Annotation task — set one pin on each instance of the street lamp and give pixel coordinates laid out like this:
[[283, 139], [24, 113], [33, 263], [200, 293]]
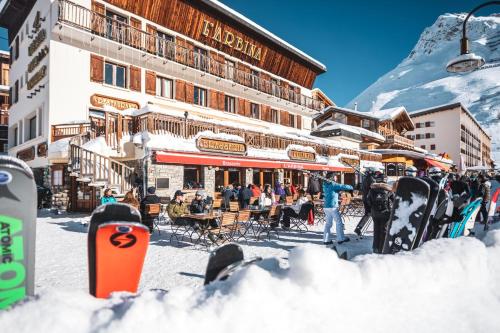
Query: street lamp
[[467, 62]]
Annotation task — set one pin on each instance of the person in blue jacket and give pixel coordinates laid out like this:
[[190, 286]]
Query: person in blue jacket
[[331, 191], [108, 197]]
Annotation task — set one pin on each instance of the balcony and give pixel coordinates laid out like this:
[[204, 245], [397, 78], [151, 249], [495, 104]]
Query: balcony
[[114, 127], [168, 51], [394, 140]]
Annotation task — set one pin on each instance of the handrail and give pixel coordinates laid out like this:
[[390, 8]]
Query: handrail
[[106, 27]]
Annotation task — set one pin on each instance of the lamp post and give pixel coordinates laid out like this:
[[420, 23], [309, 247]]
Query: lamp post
[[467, 61]]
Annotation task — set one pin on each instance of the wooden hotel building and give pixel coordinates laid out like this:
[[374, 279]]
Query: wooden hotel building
[[175, 93]]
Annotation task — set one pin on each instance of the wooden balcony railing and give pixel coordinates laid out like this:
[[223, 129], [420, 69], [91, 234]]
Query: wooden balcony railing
[[394, 138], [97, 24], [62, 131]]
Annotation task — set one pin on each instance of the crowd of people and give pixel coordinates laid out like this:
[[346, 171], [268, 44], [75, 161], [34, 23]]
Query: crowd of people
[[377, 197]]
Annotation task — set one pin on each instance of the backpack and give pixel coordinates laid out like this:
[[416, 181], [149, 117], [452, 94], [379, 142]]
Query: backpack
[[380, 201]]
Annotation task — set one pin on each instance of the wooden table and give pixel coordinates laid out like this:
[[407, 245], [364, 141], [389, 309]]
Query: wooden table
[[203, 216]]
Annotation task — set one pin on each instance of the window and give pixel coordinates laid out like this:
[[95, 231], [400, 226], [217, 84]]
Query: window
[[429, 135], [291, 120], [254, 108], [16, 92], [430, 124], [340, 118], [433, 147], [418, 125], [116, 27], [115, 75], [274, 116], [164, 87], [422, 146], [40, 121], [165, 45], [16, 48], [229, 104], [16, 136], [32, 128], [193, 177], [230, 69], [418, 136], [57, 178], [366, 123], [5, 76], [21, 83], [200, 96], [275, 87], [255, 79]]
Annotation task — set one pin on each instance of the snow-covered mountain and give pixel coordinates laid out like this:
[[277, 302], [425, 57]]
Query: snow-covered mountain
[[421, 80]]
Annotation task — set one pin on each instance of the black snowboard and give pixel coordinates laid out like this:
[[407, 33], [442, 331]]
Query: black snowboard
[[17, 231], [222, 258], [411, 197], [430, 209], [101, 215]]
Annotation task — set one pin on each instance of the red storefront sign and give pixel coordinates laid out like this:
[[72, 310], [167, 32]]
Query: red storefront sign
[[240, 162]]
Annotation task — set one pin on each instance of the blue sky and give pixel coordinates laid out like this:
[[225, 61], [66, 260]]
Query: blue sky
[[358, 41]]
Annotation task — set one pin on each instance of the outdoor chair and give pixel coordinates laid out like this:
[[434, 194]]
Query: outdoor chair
[[300, 223], [254, 200], [217, 204], [225, 231], [152, 214], [243, 221], [269, 224], [234, 206]]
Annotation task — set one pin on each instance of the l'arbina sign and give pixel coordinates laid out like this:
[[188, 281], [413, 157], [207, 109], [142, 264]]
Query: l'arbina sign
[[226, 37]]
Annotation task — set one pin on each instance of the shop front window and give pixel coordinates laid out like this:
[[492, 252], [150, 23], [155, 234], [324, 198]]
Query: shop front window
[[391, 170], [193, 177]]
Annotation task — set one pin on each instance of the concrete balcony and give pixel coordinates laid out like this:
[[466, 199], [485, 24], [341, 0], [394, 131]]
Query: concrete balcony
[[89, 30]]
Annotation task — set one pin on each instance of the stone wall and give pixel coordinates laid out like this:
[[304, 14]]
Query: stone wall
[[247, 177], [175, 174], [209, 180]]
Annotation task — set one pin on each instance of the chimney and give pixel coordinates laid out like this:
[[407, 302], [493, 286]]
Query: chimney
[[355, 106]]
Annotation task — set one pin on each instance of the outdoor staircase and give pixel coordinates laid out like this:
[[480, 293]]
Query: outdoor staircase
[[99, 170]]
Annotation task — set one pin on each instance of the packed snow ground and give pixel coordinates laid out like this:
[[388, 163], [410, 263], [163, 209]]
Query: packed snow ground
[[445, 286]]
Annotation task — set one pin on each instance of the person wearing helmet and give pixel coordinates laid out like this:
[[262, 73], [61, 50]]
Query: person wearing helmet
[[435, 173], [411, 171]]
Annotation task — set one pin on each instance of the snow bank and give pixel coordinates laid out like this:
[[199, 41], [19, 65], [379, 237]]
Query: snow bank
[[59, 149], [449, 285], [99, 146]]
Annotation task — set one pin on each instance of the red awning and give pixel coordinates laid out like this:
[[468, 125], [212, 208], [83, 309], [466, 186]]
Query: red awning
[[435, 163], [240, 162]]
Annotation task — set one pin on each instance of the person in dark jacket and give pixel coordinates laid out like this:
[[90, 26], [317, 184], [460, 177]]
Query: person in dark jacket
[[313, 186], [228, 195], [484, 194], [244, 196], [149, 199], [199, 204], [474, 187], [380, 198], [368, 180]]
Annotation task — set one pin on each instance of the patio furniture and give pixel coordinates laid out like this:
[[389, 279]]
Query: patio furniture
[[299, 223]]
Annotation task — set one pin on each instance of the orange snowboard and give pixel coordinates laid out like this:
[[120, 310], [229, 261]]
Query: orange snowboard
[[120, 248]]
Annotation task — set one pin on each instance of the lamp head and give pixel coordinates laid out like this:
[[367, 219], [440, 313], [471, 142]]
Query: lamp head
[[465, 62]]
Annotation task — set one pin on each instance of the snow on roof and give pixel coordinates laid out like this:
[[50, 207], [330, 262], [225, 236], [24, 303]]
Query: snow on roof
[[301, 148], [413, 154], [264, 32], [221, 136], [391, 113], [332, 125]]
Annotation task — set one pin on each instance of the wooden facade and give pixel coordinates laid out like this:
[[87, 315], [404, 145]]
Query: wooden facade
[[188, 17]]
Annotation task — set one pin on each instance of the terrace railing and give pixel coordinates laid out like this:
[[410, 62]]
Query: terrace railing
[[157, 44]]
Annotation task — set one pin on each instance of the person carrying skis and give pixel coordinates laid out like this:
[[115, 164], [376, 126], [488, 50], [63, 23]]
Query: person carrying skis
[[108, 197], [380, 197], [411, 171], [331, 191], [368, 180]]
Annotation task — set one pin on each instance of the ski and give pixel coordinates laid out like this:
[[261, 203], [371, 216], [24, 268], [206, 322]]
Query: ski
[[468, 214], [17, 231], [411, 197], [430, 210], [117, 245], [493, 205]]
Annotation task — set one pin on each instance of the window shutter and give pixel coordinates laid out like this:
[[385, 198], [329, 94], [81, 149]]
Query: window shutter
[[151, 40], [134, 34], [284, 118], [241, 106], [135, 78], [190, 55], [298, 121], [96, 68], [221, 99], [189, 93], [213, 103], [248, 110], [180, 90], [150, 83], [98, 20]]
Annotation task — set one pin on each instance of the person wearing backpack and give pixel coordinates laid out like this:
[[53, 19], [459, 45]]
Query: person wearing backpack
[[380, 198]]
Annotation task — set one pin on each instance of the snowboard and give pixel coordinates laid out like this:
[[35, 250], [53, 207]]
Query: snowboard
[[493, 205], [468, 215], [441, 218], [220, 259], [411, 197], [117, 245], [17, 231], [362, 225], [430, 210]]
